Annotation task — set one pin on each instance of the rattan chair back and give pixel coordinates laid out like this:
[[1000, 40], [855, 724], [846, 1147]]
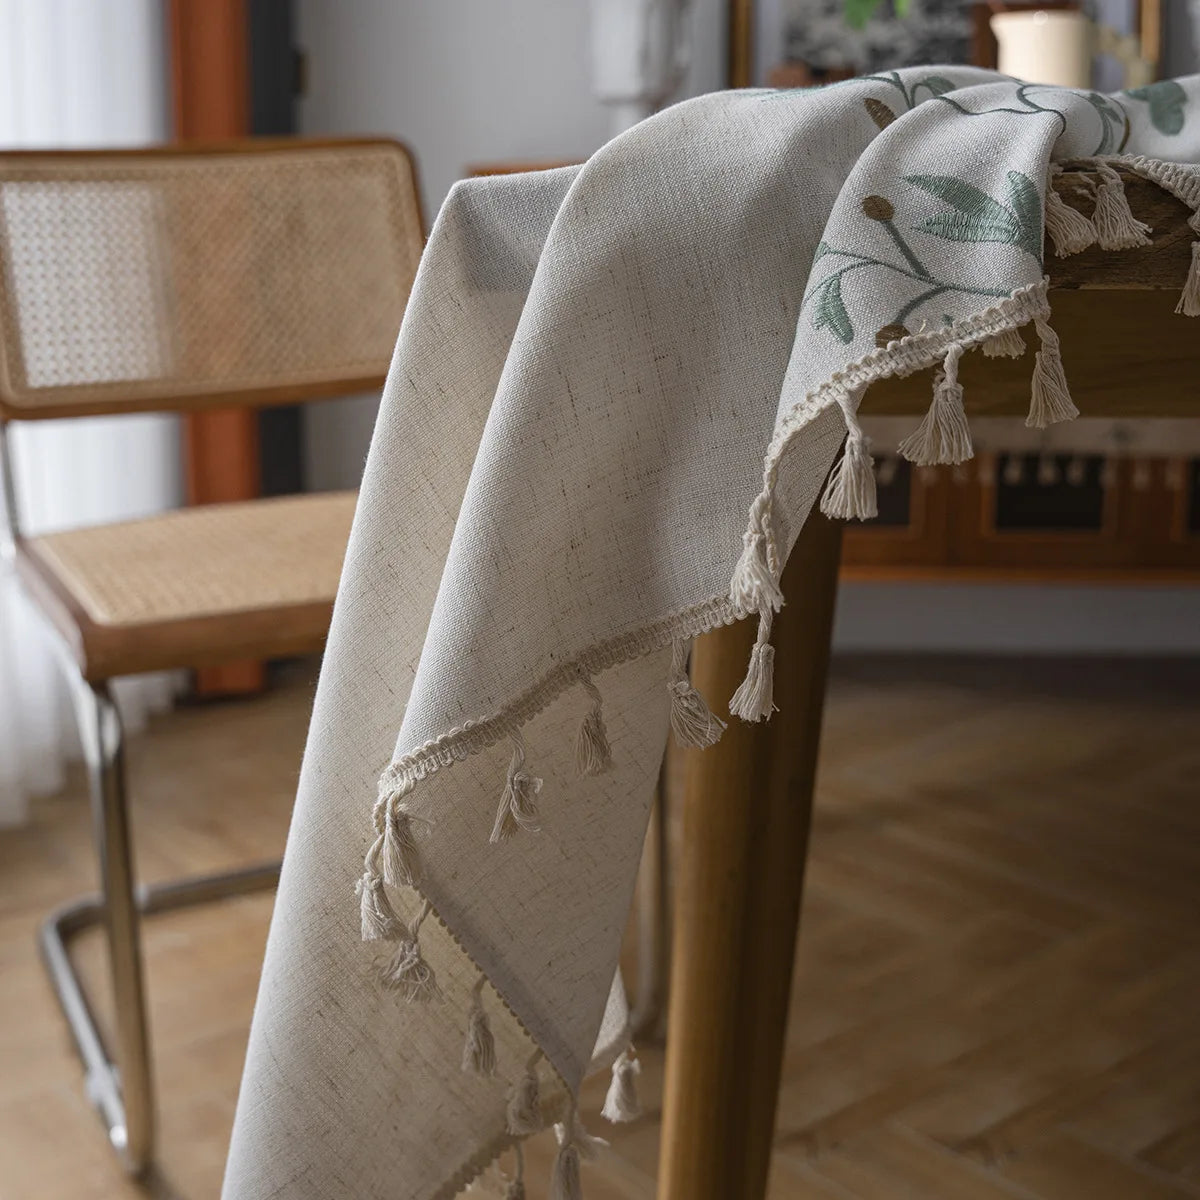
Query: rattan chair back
[[247, 273]]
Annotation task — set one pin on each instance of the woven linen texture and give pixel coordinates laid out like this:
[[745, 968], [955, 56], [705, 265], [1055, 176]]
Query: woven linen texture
[[606, 377]]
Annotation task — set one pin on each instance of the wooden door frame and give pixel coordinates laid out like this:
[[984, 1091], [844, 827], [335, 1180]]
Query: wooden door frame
[[210, 93]]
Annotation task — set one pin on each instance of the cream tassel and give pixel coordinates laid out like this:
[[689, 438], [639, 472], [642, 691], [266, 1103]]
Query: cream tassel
[[524, 1113], [691, 721], [1116, 226], [407, 972], [516, 1186], [621, 1103], [593, 755], [850, 492], [517, 807], [1069, 229], [479, 1049], [753, 586], [1009, 344], [574, 1143], [1189, 300], [1051, 398], [399, 845], [379, 920], [754, 698], [944, 436]]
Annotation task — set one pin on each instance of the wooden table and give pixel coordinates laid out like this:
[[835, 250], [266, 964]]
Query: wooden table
[[749, 798]]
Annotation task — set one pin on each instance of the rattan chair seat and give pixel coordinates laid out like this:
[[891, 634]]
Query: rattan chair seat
[[195, 586]]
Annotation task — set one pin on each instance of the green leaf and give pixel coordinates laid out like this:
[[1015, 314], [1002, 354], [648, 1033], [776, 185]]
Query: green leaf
[[959, 227], [1166, 100], [966, 197], [1026, 203], [937, 85], [859, 12], [829, 311]]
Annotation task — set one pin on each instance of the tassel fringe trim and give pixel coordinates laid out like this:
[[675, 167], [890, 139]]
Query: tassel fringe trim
[[479, 1048], [692, 723], [1067, 227], [1050, 401], [1116, 226], [621, 1104], [754, 699], [944, 436], [518, 809], [850, 491], [406, 971], [1009, 344], [524, 1113], [593, 755], [1189, 300]]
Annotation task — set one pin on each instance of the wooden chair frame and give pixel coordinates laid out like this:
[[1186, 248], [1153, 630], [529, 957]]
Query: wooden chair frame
[[119, 1080]]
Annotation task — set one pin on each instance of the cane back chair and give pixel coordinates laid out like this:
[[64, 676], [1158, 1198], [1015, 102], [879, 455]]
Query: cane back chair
[[249, 273]]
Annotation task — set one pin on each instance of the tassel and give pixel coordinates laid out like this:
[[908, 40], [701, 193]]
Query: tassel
[[1051, 400], [1116, 226], [479, 1049], [407, 972], [691, 721], [754, 698], [1009, 344], [944, 436], [517, 807], [850, 491], [379, 920], [516, 1186], [399, 847], [574, 1143], [1069, 229], [1189, 300], [753, 587], [593, 756], [621, 1104], [524, 1114], [565, 1183]]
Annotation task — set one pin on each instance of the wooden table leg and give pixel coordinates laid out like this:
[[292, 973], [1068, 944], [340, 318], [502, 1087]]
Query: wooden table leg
[[738, 887]]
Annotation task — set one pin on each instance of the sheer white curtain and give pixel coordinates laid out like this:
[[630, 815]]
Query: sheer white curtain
[[76, 73]]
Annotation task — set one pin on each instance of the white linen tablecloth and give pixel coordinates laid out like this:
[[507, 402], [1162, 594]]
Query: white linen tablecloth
[[617, 389]]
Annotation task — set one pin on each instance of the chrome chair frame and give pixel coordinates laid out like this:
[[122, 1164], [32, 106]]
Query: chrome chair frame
[[120, 1082]]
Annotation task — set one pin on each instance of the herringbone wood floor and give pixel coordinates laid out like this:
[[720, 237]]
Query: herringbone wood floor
[[999, 973]]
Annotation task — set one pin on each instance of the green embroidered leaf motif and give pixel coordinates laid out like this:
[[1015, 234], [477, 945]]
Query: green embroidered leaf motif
[[1112, 122], [829, 310], [979, 217], [937, 85], [1026, 202], [1166, 100], [958, 227], [964, 196], [823, 248]]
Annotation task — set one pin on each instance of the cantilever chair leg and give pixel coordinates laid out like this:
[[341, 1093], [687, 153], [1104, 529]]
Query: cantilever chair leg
[[120, 1085]]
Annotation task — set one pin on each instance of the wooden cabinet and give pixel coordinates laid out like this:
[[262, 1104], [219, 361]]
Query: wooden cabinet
[[1043, 517]]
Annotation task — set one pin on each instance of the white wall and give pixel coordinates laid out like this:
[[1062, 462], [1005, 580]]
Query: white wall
[[462, 82]]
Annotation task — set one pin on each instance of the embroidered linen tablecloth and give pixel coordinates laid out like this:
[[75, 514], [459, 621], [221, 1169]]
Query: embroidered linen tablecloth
[[616, 395]]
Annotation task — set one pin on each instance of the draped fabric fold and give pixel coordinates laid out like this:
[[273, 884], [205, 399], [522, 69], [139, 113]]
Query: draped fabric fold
[[618, 391]]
